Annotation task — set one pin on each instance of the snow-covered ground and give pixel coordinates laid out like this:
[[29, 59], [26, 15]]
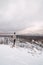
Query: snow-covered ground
[[21, 54]]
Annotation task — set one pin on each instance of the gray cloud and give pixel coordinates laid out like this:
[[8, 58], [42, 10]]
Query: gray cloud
[[20, 14]]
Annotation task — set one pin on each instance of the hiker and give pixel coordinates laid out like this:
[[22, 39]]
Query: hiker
[[14, 39]]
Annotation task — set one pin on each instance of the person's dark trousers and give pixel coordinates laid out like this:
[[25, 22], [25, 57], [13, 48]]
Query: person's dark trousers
[[14, 42]]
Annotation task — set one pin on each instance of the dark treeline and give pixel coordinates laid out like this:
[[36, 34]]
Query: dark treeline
[[30, 37]]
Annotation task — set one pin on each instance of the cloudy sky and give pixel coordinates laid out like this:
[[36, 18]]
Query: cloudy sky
[[16, 15]]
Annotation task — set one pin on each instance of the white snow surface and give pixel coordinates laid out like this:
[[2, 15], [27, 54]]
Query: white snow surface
[[20, 55]]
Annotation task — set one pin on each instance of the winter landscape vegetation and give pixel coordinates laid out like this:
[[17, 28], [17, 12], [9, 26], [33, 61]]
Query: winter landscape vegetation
[[25, 17]]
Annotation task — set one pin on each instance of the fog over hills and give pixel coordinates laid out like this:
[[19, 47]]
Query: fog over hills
[[32, 30]]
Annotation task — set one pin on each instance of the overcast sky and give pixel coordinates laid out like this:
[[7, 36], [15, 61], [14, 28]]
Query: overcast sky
[[20, 14]]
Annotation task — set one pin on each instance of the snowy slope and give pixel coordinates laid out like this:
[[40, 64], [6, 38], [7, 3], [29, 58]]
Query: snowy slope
[[18, 56]]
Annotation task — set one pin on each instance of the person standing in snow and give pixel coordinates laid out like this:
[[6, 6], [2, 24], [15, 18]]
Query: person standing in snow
[[14, 39]]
